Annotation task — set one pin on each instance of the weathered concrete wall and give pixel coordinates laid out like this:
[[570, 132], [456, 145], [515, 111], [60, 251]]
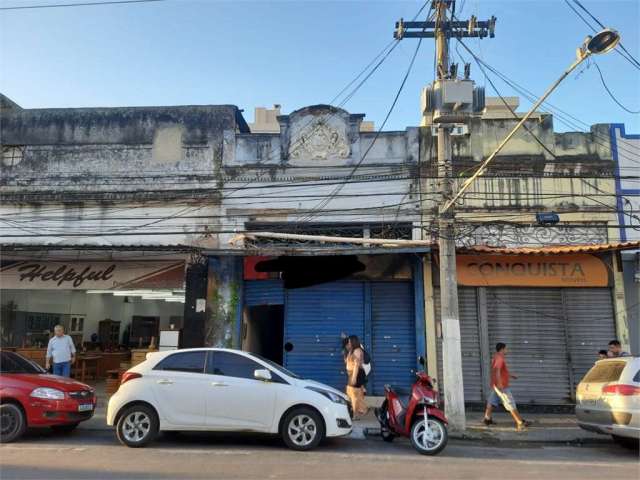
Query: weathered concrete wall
[[111, 224], [576, 182], [123, 125], [109, 149], [115, 176], [299, 174]]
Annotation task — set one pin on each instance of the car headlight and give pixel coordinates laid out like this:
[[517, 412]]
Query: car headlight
[[334, 397], [48, 393]]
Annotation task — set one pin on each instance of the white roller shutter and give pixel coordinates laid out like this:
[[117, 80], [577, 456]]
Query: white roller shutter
[[471, 362], [591, 323], [531, 322]]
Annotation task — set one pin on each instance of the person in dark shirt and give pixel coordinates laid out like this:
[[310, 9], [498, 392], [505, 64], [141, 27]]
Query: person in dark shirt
[[615, 349]]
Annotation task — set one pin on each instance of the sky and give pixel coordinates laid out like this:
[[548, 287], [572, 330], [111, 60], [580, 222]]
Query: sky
[[299, 53]]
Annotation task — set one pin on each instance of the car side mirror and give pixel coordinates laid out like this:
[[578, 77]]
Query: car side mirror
[[262, 374]]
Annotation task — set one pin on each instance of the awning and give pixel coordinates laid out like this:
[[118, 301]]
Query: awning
[[553, 249]]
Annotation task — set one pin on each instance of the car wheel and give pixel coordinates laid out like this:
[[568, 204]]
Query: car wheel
[[68, 428], [431, 440], [137, 426], [12, 422], [302, 429], [632, 443]]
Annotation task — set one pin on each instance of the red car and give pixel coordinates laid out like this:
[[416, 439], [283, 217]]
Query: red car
[[30, 397]]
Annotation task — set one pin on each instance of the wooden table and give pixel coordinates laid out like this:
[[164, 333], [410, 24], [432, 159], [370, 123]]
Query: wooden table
[[85, 363], [110, 361]]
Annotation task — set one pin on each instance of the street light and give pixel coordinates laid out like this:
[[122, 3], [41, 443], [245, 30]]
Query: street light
[[602, 42]]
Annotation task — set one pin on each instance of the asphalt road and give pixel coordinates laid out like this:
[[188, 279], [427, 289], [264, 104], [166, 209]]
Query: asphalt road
[[97, 455]]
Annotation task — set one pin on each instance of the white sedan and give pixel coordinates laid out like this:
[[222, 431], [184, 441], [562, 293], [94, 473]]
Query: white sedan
[[211, 389]]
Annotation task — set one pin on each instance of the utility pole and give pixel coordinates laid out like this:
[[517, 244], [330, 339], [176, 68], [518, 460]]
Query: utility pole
[[449, 101]]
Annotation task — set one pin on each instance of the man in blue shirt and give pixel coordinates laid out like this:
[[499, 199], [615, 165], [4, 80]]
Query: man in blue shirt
[[61, 351]]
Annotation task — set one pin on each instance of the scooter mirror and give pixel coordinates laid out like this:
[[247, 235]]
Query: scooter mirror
[[421, 360]]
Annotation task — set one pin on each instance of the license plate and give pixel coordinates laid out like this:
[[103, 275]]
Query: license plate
[[85, 407]]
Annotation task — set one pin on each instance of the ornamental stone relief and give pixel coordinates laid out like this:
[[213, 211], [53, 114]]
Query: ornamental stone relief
[[319, 141]]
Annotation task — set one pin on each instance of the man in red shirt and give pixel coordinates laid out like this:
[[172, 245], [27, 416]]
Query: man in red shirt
[[500, 391]]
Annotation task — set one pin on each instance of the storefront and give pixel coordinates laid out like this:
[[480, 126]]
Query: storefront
[[553, 311], [104, 305], [301, 327]]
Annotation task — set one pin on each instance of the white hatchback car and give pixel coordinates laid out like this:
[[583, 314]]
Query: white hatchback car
[[608, 399], [210, 389]]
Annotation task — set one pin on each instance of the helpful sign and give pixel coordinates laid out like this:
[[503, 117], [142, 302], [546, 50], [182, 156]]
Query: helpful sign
[[95, 275], [578, 270]]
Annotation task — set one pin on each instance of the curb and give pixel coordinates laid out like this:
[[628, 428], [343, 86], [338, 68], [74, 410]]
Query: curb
[[374, 431]]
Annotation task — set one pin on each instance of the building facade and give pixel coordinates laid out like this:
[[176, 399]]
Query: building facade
[[626, 154], [101, 212], [286, 238]]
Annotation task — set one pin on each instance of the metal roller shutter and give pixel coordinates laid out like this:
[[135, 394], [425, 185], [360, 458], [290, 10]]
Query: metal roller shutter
[[531, 322], [263, 292], [393, 352], [470, 339], [314, 319], [591, 324]]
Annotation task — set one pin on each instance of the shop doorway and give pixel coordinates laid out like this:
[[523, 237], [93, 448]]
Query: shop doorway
[[264, 334]]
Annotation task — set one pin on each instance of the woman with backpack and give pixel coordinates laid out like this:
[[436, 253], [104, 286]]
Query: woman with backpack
[[356, 376]]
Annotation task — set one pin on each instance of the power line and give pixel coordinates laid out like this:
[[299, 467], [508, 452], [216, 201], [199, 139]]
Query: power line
[[604, 84], [630, 57], [84, 4], [513, 113], [566, 118], [625, 55], [324, 203], [631, 216]]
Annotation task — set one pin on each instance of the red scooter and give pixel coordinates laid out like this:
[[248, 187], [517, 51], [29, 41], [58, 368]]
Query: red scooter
[[419, 418]]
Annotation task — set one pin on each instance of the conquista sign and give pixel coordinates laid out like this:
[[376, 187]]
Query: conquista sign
[[577, 270]]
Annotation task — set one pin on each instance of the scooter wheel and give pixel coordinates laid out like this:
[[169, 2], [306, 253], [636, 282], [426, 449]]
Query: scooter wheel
[[381, 413], [429, 438]]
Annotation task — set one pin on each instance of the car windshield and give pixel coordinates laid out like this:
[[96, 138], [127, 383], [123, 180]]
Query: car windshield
[[278, 368], [13, 363]]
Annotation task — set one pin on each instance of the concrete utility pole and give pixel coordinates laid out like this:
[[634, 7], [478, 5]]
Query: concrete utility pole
[[450, 101]]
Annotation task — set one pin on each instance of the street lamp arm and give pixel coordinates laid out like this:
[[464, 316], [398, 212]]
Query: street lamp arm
[[581, 58]]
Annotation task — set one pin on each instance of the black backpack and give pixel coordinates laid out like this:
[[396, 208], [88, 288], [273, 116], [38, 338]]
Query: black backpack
[[366, 362]]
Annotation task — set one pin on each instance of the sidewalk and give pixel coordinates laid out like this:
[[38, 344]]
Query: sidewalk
[[545, 428]]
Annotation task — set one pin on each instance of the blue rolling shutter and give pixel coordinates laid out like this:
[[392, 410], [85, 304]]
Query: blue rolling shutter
[[314, 318], [393, 350], [263, 292]]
